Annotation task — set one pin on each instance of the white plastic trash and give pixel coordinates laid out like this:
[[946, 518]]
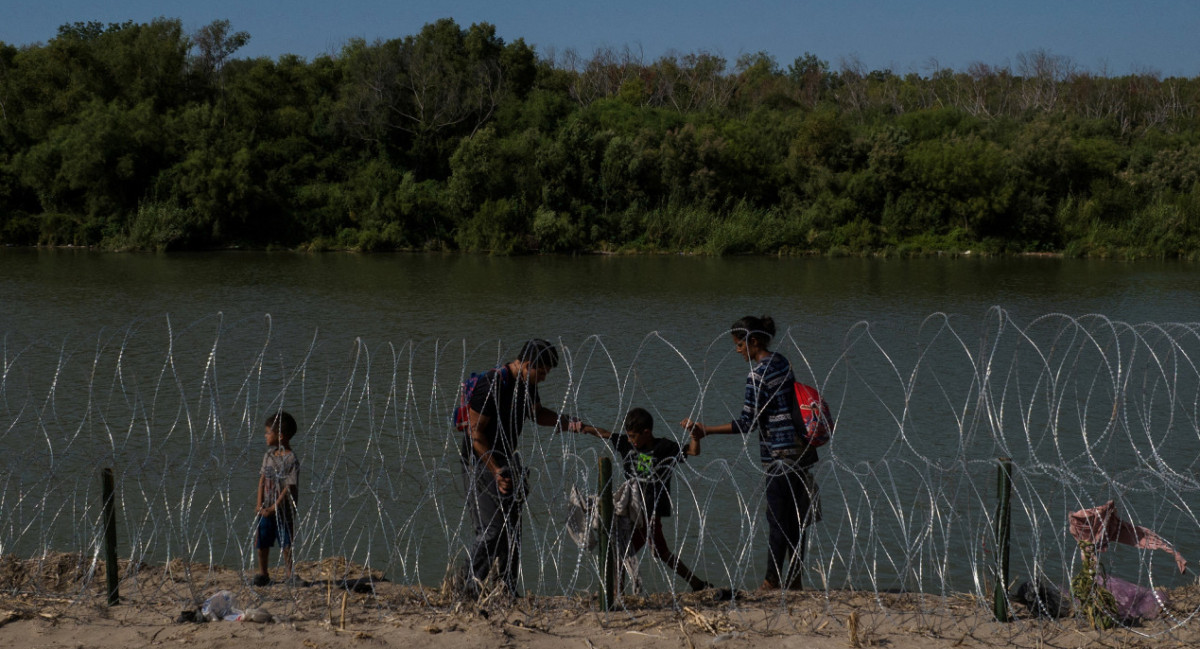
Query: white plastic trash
[[221, 606]]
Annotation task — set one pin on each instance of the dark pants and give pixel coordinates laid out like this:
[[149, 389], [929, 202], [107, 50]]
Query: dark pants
[[275, 528], [790, 494], [497, 519]]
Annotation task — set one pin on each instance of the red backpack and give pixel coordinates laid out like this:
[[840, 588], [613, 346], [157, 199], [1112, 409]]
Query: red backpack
[[818, 422]]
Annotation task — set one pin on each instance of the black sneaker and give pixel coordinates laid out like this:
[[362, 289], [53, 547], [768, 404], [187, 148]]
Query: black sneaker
[[261, 580]]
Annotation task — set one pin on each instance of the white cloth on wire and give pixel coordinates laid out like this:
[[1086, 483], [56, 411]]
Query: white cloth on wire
[[629, 519]]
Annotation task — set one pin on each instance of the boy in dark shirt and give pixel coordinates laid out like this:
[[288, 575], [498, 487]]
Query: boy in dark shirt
[[651, 460]]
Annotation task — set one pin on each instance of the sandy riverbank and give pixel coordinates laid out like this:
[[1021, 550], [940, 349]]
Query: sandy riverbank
[[47, 604]]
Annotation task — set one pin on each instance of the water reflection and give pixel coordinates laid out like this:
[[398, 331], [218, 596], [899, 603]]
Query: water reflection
[[164, 364]]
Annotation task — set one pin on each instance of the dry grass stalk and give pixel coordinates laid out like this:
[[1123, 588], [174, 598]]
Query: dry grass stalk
[[342, 623], [329, 600], [700, 620]]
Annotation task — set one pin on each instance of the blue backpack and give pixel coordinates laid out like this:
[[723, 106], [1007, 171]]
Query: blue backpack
[[460, 416]]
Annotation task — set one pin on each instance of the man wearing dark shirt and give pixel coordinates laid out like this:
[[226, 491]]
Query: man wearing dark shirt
[[500, 402]]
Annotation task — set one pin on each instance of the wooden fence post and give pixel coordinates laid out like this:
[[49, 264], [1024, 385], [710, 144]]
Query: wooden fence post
[[607, 567], [1003, 527], [111, 569]]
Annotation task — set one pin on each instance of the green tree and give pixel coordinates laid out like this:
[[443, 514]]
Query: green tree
[[812, 78], [418, 94], [957, 182], [214, 44]]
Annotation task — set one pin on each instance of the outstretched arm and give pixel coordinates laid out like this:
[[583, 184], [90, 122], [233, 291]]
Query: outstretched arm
[[547, 417], [752, 408], [699, 431], [588, 429]]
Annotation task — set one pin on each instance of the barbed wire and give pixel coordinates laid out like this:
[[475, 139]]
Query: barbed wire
[[1088, 410]]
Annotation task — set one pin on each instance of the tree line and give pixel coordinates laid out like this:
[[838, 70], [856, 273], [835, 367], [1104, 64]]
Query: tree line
[[131, 136]]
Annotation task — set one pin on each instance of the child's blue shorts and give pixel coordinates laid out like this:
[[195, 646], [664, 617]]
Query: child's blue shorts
[[271, 529]]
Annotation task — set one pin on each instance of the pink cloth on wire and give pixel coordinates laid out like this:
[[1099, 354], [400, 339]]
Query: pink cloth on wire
[[1101, 525]]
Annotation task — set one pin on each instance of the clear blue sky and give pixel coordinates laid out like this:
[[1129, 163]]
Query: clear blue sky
[[1119, 37]]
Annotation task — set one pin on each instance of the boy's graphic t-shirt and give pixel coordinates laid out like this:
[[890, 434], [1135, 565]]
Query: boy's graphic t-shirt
[[281, 470], [653, 467]]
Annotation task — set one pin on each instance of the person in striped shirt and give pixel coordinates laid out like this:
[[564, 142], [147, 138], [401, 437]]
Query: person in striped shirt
[[769, 408]]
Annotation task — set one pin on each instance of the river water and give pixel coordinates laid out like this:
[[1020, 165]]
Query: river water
[[163, 367]]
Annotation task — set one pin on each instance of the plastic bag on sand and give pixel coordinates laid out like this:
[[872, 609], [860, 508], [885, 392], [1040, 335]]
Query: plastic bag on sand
[[221, 606], [1135, 602], [260, 615]]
